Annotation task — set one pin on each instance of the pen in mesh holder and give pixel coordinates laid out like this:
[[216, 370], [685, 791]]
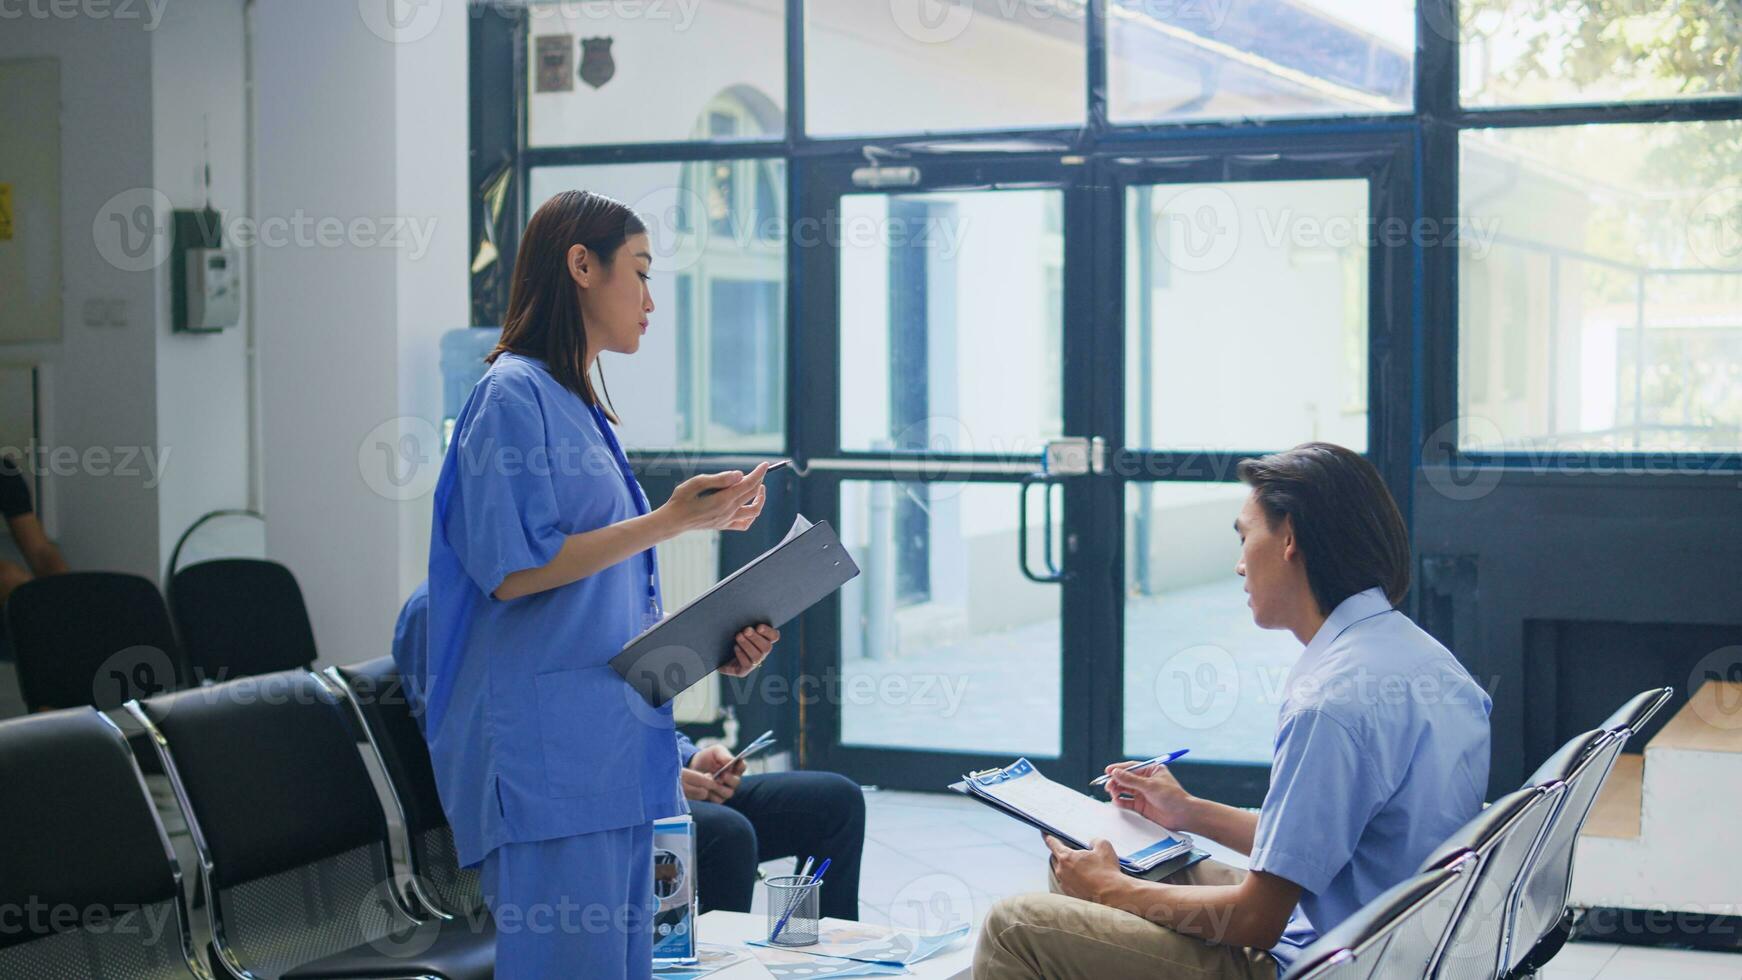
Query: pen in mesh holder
[[793, 901]]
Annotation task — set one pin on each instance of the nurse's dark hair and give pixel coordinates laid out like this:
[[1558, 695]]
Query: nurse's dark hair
[[1345, 522], [544, 307]]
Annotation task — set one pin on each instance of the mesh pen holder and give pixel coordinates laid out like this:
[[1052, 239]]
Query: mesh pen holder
[[796, 899]]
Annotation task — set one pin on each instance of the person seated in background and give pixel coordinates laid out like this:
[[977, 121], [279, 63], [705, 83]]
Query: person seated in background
[[741, 820], [1381, 753], [40, 555]]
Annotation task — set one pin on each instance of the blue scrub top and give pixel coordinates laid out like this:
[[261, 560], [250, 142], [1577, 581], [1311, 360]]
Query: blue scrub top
[[1381, 752], [411, 643], [532, 735]]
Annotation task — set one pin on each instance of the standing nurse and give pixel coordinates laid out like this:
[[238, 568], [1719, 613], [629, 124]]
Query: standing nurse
[[541, 568]]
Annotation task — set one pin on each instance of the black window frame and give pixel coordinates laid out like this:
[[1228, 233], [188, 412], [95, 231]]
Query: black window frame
[[1432, 127], [1436, 122]]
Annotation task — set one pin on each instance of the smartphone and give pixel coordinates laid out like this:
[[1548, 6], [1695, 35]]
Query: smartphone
[[763, 742], [778, 464]]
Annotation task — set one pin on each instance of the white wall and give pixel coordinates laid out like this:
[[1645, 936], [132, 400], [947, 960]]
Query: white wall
[[100, 380], [434, 293], [198, 95], [157, 420], [370, 131]]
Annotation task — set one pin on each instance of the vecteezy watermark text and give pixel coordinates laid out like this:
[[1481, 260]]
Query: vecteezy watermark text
[[149, 12]]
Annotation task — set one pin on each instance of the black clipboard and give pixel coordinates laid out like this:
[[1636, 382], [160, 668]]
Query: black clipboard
[[1160, 872], [773, 588]]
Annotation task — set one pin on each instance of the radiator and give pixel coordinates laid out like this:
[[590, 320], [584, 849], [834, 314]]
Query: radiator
[[688, 566]]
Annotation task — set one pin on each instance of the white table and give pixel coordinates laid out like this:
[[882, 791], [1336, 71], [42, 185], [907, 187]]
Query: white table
[[737, 928]]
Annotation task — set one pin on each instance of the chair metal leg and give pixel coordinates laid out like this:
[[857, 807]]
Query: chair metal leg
[[1546, 947]]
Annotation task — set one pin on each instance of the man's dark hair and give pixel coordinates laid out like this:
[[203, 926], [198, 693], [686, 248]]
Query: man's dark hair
[[1346, 523]]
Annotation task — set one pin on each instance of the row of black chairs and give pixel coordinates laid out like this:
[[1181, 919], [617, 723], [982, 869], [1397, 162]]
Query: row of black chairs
[[297, 875], [1492, 900], [103, 638]]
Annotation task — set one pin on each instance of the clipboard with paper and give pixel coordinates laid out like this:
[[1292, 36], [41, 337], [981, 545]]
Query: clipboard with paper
[[1019, 790], [672, 655]]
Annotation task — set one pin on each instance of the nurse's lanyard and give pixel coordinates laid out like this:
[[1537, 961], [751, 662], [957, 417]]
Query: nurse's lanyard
[[641, 507]]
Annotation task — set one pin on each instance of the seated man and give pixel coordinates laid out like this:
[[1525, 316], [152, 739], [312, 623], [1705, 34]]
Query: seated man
[[39, 553], [1381, 752], [741, 820]]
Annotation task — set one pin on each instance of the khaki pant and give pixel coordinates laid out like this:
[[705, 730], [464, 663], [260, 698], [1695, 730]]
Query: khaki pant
[[1053, 937]]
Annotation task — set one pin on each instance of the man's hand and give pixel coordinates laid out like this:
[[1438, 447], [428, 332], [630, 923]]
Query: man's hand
[[1092, 875], [698, 781], [1156, 795]]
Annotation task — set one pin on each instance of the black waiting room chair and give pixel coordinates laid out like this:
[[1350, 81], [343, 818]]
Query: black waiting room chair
[[1398, 934], [1633, 715], [1504, 838], [292, 839], [241, 616], [1515, 859], [85, 849], [378, 696], [92, 638], [1542, 922]]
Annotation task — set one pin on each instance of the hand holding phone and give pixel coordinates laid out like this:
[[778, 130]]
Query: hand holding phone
[[761, 743], [779, 464]]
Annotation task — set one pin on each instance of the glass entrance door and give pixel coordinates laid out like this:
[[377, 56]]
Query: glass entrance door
[[1184, 314], [948, 299]]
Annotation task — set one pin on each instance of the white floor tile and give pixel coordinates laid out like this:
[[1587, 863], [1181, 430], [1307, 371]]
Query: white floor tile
[[1652, 963], [1579, 961], [940, 836]]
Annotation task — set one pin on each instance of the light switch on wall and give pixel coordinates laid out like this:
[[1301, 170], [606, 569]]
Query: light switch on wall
[[105, 311]]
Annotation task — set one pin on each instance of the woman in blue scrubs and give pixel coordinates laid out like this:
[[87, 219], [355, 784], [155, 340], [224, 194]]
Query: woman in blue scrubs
[[541, 568]]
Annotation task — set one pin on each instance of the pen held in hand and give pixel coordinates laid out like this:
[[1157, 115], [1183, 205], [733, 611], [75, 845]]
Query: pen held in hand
[[1160, 760]]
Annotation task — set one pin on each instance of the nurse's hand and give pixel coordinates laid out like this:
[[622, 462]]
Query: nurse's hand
[[753, 645], [734, 507]]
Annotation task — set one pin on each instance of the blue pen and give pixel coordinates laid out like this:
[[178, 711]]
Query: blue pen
[[791, 906], [1160, 760]]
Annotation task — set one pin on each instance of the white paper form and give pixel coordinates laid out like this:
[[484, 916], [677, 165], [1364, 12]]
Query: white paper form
[[1137, 840]]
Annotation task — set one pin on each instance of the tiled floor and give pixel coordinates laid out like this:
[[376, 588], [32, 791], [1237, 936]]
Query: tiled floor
[[932, 857]]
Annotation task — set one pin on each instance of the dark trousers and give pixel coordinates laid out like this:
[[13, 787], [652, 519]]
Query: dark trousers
[[783, 814]]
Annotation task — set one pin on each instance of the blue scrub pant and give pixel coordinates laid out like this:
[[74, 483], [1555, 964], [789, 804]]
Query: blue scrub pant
[[577, 907]]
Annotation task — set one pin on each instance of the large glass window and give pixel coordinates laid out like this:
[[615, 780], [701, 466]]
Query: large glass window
[[1246, 314], [1523, 52], [910, 66], [1601, 288], [642, 72], [1169, 61], [710, 374], [951, 310]]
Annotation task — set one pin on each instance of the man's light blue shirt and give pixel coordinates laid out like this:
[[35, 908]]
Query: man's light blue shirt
[[1381, 752]]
